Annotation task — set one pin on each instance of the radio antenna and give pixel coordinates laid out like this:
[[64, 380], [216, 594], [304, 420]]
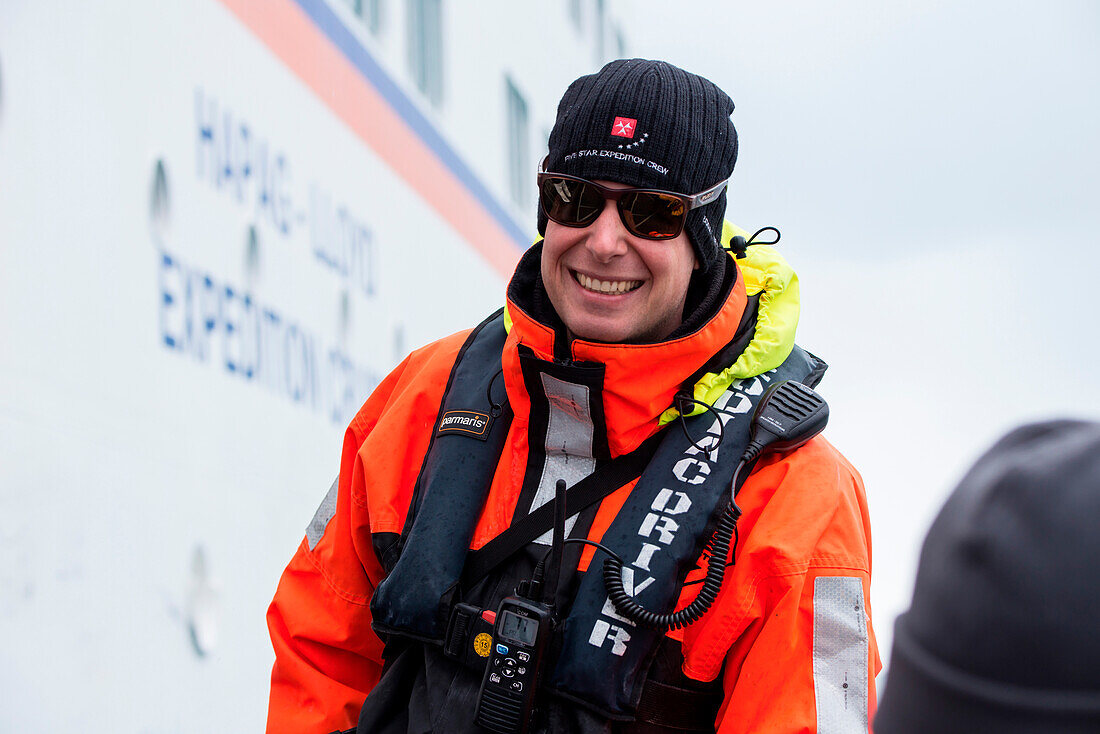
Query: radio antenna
[[557, 545]]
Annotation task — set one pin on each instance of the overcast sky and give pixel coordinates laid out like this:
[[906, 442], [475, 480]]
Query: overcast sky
[[935, 170]]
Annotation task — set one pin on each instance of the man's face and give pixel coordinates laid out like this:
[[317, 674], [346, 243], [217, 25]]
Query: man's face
[[610, 286]]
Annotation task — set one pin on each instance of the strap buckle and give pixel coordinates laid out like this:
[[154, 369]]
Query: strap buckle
[[469, 638]]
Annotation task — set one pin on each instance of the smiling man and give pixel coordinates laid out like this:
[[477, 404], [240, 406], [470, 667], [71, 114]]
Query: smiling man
[[613, 397], [606, 283]]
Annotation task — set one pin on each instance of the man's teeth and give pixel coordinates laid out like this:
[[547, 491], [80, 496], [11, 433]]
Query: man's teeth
[[607, 286]]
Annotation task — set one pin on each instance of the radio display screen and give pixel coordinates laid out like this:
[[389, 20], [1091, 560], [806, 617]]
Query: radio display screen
[[515, 628]]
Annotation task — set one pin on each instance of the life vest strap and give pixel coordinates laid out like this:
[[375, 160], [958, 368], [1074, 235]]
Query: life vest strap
[[611, 476], [678, 708]]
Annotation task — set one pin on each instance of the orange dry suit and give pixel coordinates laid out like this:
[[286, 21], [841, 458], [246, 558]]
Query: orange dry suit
[[786, 647]]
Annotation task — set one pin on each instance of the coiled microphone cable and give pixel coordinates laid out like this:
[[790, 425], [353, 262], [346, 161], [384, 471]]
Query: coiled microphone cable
[[788, 415]]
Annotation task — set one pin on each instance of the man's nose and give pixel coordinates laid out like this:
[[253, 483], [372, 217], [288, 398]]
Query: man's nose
[[607, 235]]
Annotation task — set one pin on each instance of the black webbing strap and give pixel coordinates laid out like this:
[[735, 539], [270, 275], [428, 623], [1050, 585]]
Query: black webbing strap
[[681, 709], [593, 488]]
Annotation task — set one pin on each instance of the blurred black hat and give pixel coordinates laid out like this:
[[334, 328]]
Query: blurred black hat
[[1003, 634]]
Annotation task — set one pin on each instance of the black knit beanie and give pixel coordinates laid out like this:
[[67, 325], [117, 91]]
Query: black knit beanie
[[1004, 631], [649, 124]]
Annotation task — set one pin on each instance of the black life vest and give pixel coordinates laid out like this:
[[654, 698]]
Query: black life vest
[[660, 531]]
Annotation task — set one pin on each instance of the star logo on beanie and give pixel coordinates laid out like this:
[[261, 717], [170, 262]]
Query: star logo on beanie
[[623, 127], [637, 143]]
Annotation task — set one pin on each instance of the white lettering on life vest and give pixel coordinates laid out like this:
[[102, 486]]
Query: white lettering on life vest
[[660, 502], [602, 631], [645, 555], [693, 468], [666, 528]]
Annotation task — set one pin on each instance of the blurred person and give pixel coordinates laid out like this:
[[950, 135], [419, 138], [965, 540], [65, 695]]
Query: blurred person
[[1003, 634], [626, 362]]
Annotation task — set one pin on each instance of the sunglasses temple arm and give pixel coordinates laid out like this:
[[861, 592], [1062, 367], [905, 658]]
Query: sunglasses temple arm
[[705, 197]]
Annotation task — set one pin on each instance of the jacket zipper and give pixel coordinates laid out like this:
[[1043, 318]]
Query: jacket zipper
[[562, 353]]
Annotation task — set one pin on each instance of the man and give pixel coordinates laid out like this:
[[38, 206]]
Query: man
[[1002, 635], [625, 321]]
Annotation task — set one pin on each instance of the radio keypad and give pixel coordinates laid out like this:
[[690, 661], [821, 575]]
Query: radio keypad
[[512, 665]]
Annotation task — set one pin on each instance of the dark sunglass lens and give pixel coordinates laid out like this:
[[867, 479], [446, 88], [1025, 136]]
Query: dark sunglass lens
[[651, 215], [570, 202]]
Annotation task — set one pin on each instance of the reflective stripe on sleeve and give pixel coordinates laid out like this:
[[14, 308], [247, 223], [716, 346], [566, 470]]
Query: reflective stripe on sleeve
[[320, 518], [840, 655]]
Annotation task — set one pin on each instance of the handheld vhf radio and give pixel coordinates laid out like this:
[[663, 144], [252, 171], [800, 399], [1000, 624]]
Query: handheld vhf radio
[[506, 701]]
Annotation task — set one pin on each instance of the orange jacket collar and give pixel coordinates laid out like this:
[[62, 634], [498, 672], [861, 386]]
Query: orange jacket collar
[[640, 380]]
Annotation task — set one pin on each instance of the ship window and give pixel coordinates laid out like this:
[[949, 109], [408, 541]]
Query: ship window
[[425, 35], [519, 170], [372, 14], [575, 13], [368, 11]]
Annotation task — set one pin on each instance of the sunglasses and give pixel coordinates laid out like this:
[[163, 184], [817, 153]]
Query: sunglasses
[[647, 213]]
